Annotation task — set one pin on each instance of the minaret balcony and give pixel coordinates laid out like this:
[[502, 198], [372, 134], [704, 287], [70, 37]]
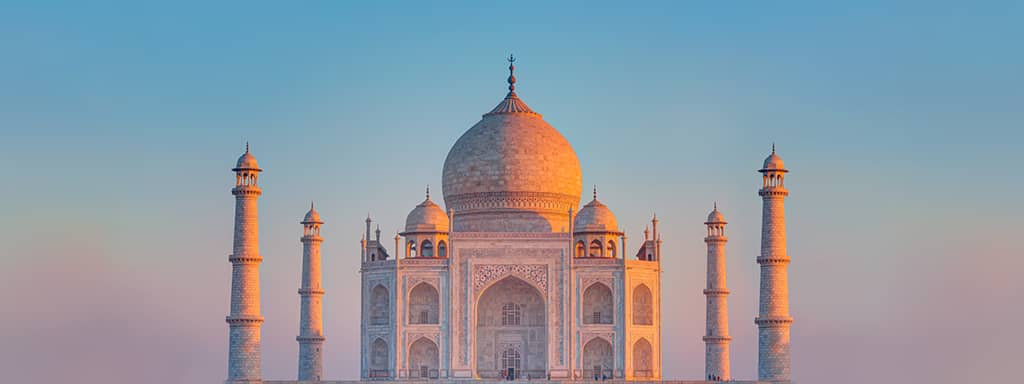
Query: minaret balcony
[[773, 260], [773, 321], [716, 339], [716, 292], [773, 192], [245, 259], [246, 190], [244, 320], [311, 291]]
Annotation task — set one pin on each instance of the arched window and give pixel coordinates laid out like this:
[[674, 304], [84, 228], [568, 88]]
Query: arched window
[[442, 249], [423, 304], [410, 249], [643, 311], [511, 314], [595, 248], [597, 304], [427, 249], [379, 306], [598, 359], [611, 248], [511, 361], [581, 249], [423, 359], [642, 358], [379, 359]]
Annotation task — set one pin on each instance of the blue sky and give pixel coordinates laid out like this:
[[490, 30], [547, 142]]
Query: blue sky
[[901, 124]]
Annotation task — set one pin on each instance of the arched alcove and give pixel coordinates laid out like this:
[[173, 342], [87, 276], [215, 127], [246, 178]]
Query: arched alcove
[[598, 304], [423, 359], [643, 306], [424, 305], [379, 313], [598, 359], [511, 316]]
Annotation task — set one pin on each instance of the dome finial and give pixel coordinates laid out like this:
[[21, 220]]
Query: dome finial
[[311, 205], [511, 73], [595, 191], [247, 146], [773, 146], [716, 205], [428, 191]]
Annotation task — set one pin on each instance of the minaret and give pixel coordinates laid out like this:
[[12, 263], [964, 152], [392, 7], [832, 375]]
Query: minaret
[[245, 320], [311, 334], [716, 338], [773, 319]]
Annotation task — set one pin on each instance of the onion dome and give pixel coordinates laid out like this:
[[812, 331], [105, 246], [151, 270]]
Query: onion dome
[[715, 217], [312, 217], [427, 217], [595, 217], [773, 162], [511, 172], [247, 161]]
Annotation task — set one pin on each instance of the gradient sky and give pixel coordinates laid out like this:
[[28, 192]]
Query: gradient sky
[[901, 125]]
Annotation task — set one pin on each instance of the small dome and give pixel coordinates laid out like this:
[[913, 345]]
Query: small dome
[[773, 162], [427, 217], [715, 217], [312, 217], [595, 217], [247, 161]]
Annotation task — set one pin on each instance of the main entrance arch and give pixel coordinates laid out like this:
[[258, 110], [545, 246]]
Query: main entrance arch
[[511, 331]]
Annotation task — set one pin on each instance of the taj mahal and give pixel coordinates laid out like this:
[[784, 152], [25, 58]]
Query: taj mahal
[[512, 278]]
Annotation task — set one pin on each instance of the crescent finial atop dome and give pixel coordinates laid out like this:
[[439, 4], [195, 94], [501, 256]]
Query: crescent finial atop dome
[[511, 73], [512, 103]]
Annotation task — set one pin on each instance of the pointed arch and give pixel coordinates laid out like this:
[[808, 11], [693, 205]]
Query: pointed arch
[[379, 358], [581, 249], [598, 359], [497, 331], [423, 359], [643, 305], [442, 249], [643, 356], [596, 250], [426, 249], [598, 304], [610, 252], [379, 305], [424, 305]]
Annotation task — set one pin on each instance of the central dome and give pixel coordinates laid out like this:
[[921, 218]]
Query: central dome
[[512, 172]]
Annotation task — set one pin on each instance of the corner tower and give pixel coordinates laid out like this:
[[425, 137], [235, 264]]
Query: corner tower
[[773, 320], [716, 337], [311, 335], [244, 321]]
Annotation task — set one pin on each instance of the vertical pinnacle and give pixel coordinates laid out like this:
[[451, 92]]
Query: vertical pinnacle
[[595, 191], [511, 74], [428, 191], [246, 146]]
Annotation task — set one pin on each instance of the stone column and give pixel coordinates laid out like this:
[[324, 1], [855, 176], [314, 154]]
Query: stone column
[[773, 320], [716, 337], [311, 337], [244, 321]]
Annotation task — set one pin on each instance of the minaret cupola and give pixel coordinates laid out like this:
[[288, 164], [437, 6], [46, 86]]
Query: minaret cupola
[[773, 175]]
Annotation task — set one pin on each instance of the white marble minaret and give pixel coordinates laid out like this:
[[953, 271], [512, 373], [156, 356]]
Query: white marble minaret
[[311, 334], [245, 320], [773, 320], [716, 338]]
